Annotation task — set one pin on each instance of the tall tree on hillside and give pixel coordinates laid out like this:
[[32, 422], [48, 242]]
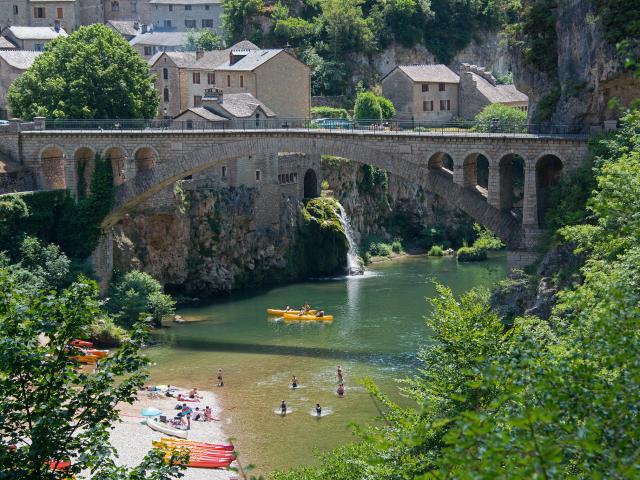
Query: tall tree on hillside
[[204, 40], [93, 73]]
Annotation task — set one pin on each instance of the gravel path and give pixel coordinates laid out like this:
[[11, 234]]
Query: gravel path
[[132, 437]]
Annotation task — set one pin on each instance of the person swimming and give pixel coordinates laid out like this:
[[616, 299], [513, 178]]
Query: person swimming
[[283, 408], [318, 410], [220, 382], [294, 382], [340, 390], [320, 313], [287, 308]]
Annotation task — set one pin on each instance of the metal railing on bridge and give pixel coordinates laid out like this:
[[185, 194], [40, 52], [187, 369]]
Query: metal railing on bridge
[[460, 127]]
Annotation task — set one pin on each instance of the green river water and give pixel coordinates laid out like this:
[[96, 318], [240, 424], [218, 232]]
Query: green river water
[[378, 329]]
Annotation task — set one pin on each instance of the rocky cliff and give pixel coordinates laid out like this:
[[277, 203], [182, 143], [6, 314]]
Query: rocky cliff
[[588, 70]]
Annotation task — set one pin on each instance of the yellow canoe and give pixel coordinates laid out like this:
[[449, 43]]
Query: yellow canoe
[[313, 318], [90, 359], [280, 313]]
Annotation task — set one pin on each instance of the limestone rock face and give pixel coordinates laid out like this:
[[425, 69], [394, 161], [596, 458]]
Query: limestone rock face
[[589, 72]]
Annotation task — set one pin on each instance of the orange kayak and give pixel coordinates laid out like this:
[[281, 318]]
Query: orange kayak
[[89, 359], [97, 353], [280, 313], [313, 318]]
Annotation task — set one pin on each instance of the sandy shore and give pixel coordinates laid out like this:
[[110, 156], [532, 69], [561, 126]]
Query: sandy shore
[[132, 437]]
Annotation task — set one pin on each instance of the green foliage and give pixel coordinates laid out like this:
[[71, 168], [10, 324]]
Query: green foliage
[[324, 185], [496, 116], [79, 228], [506, 79], [92, 73], [547, 105], [435, 251], [485, 240], [138, 294], [620, 19], [328, 76], [329, 112], [538, 29], [373, 179], [387, 108], [237, 18], [471, 254], [367, 108], [345, 28], [13, 210], [51, 410], [396, 246], [104, 332], [204, 40]]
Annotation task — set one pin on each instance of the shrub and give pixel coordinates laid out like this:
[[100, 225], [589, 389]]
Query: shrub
[[387, 108], [380, 249], [471, 254], [500, 117], [485, 240], [329, 112], [436, 251], [396, 246], [367, 107], [105, 333]]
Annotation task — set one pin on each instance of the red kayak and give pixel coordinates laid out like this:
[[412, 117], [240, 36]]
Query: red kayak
[[192, 443], [81, 343], [209, 464], [58, 465]]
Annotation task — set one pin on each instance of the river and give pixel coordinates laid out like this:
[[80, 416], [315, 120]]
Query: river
[[378, 329]]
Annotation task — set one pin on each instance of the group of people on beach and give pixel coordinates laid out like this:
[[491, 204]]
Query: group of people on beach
[[318, 408]]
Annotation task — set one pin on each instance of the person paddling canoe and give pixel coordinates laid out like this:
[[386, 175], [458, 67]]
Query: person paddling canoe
[[283, 408]]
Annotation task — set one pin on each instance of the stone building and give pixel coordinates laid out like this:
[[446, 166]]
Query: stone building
[[127, 28], [230, 110], [435, 94], [422, 93], [478, 88], [183, 15], [33, 38], [148, 43], [42, 13], [13, 63], [138, 10], [6, 44]]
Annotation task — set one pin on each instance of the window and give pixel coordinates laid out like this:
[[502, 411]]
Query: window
[[189, 124], [207, 23], [206, 7], [441, 87], [15, 9], [39, 12], [427, 106], [257, 175], [167, 24], [148, 51], [228, 80], [425, 87], [38, 47], [115, 6], [166, 94], [190, 23], [241, 81], [59, 12], [197, 100], [171, 8], [445, 104], [224, 171], [211, 78], [187, 7], [196, 77], [165, 73], [134, 7], [257, 119]]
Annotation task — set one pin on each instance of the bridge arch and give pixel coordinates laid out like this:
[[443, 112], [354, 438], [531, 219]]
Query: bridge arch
[[146, 158], [118, 157], [84, 159], [511, 168], [476, 170], [549, 168], [440, 161], [136, 190], [53, 161]]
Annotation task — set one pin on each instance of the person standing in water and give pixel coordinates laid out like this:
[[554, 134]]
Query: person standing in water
[[318, 410], [220, 382], [339, 373], [283, 408], [294, 382], [340, 390]]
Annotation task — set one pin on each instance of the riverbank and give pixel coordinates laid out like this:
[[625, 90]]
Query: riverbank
[[132, 437]]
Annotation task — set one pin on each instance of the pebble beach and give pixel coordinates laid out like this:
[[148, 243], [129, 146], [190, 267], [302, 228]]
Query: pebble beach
[[132, 437]]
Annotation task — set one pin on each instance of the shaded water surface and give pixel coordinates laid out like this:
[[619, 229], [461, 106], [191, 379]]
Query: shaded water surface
[[378, 329]]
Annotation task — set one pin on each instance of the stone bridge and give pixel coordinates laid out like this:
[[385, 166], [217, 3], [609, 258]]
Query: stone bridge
[[448, 164]]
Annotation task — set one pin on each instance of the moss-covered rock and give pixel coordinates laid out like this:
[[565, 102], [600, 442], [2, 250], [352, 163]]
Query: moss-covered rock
[[471, 254], [322, 240]]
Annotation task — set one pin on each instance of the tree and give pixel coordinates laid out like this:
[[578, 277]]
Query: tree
[[345, 27], [238, 18], [50, 410], [93, 73], [138, 293], [204, 40], [496, 116], [386, 107], [367, 107]]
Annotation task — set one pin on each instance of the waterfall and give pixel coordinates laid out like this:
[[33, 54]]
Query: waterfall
[[354, 267]]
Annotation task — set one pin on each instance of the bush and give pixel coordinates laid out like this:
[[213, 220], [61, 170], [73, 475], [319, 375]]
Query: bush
[[105, 333], [397, 247], [387, 108], [329, 112], [367, 107], [138, 293], [485, 240], [436, 251], [471, 254], [500, 117]]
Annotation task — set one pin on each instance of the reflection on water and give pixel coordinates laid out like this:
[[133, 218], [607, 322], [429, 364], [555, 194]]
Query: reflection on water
[[378, 329]]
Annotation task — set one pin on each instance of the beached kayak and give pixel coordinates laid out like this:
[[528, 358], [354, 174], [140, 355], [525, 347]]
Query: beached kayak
[[193, 443], [280, 313], [81, 343], [97, 353], [164, 428], [325, 318], [89, 359]]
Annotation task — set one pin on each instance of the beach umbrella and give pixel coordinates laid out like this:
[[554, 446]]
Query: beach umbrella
[[150, 412]]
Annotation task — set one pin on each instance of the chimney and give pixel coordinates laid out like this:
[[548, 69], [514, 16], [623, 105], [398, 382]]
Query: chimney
[[144, 28], [212, 95], [230, 57], [199, 54], [56, 26], [136, 25], [237, 55]]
